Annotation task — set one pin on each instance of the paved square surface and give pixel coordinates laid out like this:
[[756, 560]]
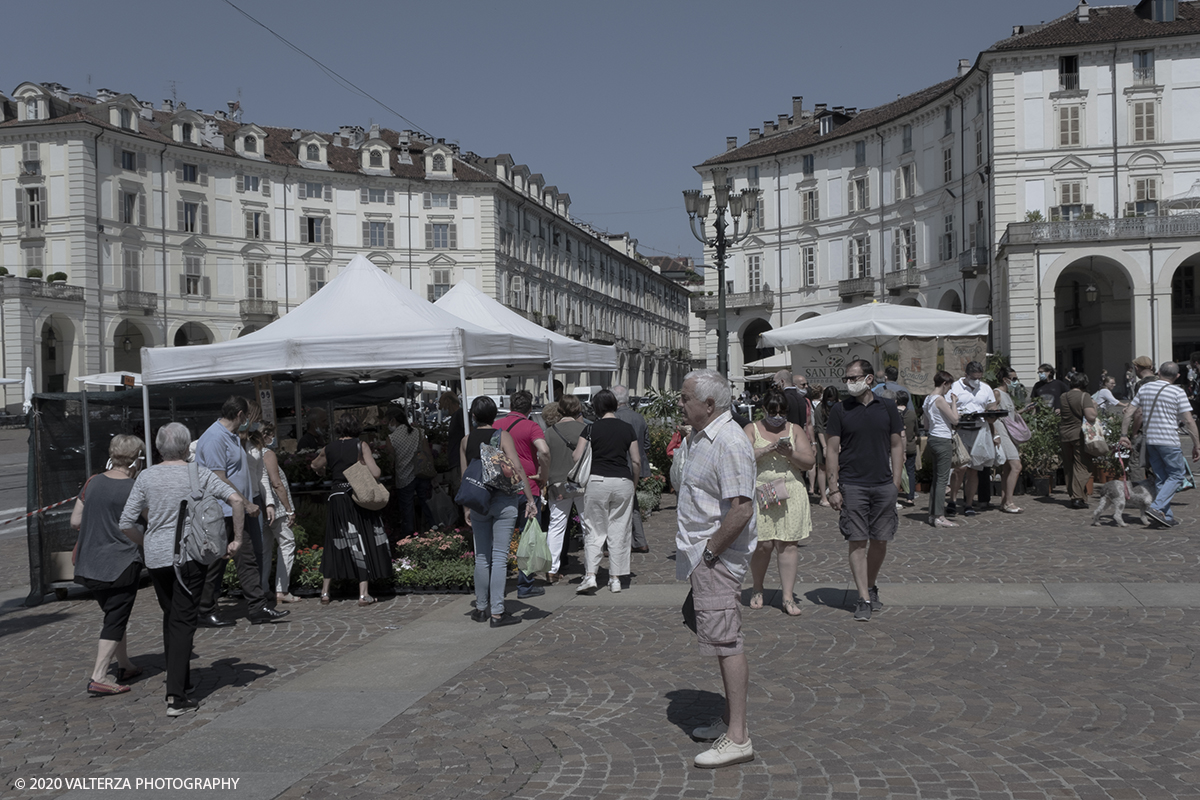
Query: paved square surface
[[1029, 656]]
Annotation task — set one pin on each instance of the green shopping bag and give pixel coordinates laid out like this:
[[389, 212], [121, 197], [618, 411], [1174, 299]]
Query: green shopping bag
[[533, 553]]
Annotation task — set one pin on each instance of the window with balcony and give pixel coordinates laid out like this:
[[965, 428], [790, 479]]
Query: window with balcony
[[1068, 126], [904, 248], [34, 257], [442, 236], [1070, 201], [1068, 73], [132, 269], [906, 139], [1145, 198], [948, 165], [316, 278], [258, 225], [1144, 121], [254, 280], [754, 272], [1143, 67], [811, 205], [440, 284], [752, 177], [31, 160], [860, 257], [316, 230], [808, 263]]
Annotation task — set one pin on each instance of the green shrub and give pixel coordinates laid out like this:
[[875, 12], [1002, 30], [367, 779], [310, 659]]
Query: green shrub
[[34, 272], [306, 571], [56, 277], [1041, 455], [453, 574]]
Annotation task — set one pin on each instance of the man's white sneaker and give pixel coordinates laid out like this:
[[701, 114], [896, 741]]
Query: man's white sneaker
[[614, 585], [713, 730], [725, 752], [588, 585]]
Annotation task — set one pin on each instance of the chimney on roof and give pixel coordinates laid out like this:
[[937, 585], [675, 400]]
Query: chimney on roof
[[168, 106], [964, 66], [819, 108], [1081, 12], [374, 134], [797, 109], [839, 110], [783, 121], [769, 127], [221, 115], [104, 95], [730, 143], [754, 134], [851, 111], [296, 133]]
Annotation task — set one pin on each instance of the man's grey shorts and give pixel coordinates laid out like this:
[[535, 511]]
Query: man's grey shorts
[[717, 597], [869, 512]]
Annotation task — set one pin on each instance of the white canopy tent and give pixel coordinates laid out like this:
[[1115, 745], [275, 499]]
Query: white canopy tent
[[769, 364], [566, 355], [876, 324], [364, 325]]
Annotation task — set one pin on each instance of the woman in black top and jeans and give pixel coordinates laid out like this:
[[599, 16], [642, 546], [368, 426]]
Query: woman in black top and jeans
[[610, 502]]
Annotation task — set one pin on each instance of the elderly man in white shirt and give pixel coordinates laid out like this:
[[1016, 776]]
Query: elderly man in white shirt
[[715, 539], [973, 397]]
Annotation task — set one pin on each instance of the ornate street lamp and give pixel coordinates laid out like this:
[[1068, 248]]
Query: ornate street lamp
[[697, 205]]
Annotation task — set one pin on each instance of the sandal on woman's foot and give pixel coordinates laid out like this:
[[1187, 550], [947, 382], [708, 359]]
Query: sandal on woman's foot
[[1009, 508], [756, 600], [124, 675], [942, 522], [286, 597], [791, 608], [325, 599], [365, 600]]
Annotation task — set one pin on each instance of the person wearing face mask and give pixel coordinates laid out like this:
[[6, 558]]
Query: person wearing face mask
[[782, 453], [973, 396], [1048, 387], [1006, 379], [863, 459], [220, 450], [279, 530]]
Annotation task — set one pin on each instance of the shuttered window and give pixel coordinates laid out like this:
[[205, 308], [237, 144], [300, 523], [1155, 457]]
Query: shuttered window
[[441, 236]]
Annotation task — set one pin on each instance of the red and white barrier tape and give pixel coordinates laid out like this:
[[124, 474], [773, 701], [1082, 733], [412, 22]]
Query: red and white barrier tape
[[37, 511]]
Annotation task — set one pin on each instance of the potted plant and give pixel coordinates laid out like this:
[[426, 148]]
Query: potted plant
[[56, 277], [34, 273], [1042, 454]]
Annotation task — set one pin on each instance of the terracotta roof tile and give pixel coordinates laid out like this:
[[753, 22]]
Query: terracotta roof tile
[[1106, 24], [809, 134]]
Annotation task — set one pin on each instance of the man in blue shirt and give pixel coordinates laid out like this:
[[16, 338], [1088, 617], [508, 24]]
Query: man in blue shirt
[[220, 449]]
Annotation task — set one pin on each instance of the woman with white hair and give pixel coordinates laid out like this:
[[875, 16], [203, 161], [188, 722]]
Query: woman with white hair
[[159, 491]]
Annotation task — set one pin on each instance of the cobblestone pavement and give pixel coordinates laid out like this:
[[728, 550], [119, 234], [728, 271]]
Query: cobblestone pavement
[[595, 699]]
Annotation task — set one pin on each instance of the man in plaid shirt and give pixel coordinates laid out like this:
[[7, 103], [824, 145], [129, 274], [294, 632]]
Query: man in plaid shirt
[[714, 542]]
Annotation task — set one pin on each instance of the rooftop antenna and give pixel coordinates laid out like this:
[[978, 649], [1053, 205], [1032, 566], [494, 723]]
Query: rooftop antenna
[[174, 98]]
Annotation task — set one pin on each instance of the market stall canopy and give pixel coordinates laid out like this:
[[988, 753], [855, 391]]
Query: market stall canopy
[[567, 355], [362, 324], [876, 324], [110, 379], [770, 364]]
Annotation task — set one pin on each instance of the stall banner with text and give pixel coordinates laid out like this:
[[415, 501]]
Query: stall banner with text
[[827, 365], [961, 350], [918, 363]]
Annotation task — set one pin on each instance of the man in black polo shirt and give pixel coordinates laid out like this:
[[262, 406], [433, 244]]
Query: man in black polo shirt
[[863, 455]]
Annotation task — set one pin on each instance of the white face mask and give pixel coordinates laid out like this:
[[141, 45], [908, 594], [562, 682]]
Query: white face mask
[[972, 384], [857, 387]]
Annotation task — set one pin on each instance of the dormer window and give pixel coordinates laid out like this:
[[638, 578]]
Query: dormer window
[[126, 117], [251, 144], [312, 153], [376, 159], [31, 108], [439, 163], [185, 132], [826, 125]]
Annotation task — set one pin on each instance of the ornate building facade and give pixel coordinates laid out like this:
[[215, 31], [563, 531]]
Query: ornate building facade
[[1051, 184], [123, 225]]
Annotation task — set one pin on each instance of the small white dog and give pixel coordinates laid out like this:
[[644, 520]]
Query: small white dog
[[1112, 497]]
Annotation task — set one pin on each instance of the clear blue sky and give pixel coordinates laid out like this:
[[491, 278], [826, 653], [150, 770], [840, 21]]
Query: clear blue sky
[[613, 102]]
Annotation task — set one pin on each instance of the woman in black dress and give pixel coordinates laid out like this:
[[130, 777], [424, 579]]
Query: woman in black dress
[[356, 546]]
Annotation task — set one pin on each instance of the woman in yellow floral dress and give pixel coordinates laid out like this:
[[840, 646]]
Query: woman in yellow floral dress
[[783, 453]]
